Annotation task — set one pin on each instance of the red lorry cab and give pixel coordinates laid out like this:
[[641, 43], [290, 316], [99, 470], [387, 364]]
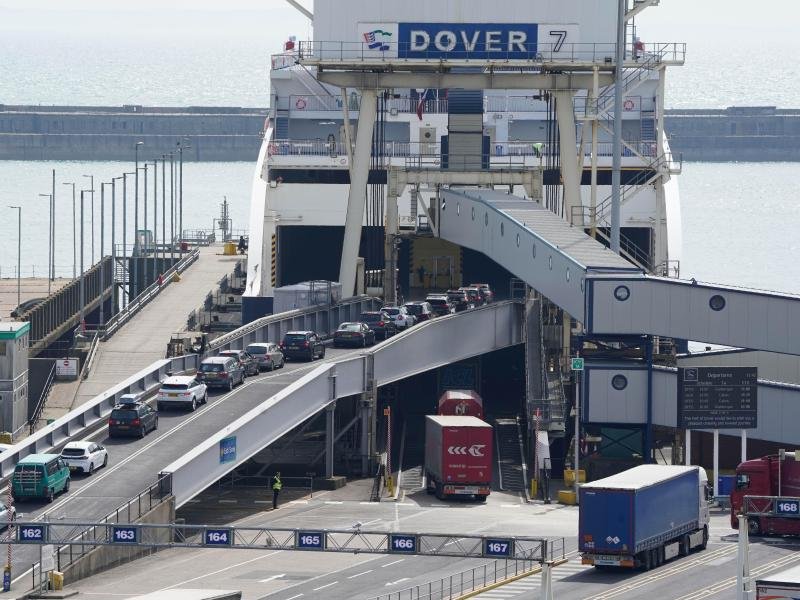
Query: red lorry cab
[[759, 477], [461, 403]]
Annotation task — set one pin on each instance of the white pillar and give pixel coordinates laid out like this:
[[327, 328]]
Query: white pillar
[[744, 445], [743, 591], [716, 463], [547, 581], [570, 171], [687, 459], [359, 173]]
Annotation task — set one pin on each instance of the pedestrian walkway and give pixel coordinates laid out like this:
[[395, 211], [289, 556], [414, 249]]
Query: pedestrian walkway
[[29, 288], [143, 340], [525, 586]]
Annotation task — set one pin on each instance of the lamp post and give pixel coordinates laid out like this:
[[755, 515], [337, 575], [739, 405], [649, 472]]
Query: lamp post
[[163, 210], [102, 250], [82, 318], [125, 266], [114, 300], [91, 184], [172, 207], [74, 234], [50, 244], [136, 218], [53, 227], [180, 194], [155, 220], [144, 262], [19, 255]]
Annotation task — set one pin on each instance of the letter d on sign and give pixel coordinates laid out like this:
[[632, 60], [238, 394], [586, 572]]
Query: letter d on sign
[[420, 40]]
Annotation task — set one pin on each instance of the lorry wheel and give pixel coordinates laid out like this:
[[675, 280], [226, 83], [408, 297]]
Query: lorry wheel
[[646, 560], [439, 493], [480, 497], [50, 496], [753, 527], [705, 538]]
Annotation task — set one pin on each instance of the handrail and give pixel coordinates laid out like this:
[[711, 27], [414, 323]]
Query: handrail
[[37, 411], [123, 316], [87, 363]]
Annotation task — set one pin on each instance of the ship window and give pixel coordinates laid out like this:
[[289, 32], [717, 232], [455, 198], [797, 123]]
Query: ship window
[[619, 382], [716, 302], [486, 218], [534, 250], [458, 208], [567, 273]]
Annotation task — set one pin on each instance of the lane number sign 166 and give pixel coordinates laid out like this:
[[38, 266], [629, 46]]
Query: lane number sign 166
[[788, 507], [497, 547], [31, 533], [405, 544], [310, 540]]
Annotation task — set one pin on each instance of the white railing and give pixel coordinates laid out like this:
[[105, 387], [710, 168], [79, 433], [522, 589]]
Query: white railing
[[312, 103]]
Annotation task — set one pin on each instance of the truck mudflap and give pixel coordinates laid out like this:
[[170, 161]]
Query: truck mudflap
[[608, 560], [465, 490]]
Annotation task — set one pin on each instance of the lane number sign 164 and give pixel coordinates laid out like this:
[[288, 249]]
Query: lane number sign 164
[[218, 537]]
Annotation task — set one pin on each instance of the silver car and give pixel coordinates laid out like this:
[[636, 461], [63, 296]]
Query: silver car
[[268, 355], [7, 515]]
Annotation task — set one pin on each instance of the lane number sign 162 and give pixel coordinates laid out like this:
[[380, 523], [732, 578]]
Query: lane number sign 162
[[31, 533]]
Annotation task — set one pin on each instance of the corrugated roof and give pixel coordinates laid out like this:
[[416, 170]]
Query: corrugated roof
[[458, 421], [640, 477]]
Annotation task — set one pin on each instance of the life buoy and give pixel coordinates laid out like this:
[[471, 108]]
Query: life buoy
[[272, 149], [628, 104], [300, 103]]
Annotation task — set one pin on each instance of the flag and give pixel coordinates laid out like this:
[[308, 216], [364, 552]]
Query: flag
[[421, 103]]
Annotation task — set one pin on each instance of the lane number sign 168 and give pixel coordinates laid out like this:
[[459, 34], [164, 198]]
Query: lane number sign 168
[[788, 507], [311, 540], [406, 544], [497, 547]]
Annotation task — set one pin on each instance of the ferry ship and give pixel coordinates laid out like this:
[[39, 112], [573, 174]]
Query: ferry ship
[[302, 178]]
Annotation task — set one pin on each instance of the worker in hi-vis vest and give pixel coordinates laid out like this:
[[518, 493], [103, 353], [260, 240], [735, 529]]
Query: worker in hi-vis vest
[[276, 489]]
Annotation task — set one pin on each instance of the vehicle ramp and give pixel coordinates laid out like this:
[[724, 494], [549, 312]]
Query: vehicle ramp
[[426, 346], [603, 291]]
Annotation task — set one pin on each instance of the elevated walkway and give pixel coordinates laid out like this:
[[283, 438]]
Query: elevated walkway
[[603, 291], [143, 340], [424, 347]]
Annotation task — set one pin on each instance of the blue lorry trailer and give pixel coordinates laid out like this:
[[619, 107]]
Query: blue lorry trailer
[[644, 516]]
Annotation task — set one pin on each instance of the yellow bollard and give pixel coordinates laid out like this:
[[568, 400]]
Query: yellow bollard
[[567, 497], [56, 580], [229, 249], [534, 488]]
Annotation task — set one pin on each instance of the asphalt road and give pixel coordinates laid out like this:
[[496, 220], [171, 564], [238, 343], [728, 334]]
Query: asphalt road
[[134, 463]]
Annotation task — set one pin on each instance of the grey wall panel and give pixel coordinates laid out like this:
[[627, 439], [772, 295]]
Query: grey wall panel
[[494, 233], [608, 405], [660, 306], [665, 398]]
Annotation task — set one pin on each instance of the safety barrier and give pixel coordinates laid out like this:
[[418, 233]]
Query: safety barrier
[[123, 316], [77, 421], [322, 318]]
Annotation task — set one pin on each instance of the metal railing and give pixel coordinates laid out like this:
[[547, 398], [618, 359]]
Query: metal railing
[[37, 411], [81, 419], [133, 307], [318, 103], [532, 53], [198, 237], [769, 506], [90, 354]]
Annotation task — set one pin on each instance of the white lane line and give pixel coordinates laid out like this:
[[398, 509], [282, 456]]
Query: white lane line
[[227, 501], [393, 563], [217, 572], [371, 522], [293, 597], [402, 579], [271, 578], [360, 574], [322, 587], [334, 502]]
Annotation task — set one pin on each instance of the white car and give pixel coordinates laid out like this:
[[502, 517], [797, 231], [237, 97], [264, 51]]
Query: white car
[[184, 391], [7, 515], [84, 456], [401, 317]]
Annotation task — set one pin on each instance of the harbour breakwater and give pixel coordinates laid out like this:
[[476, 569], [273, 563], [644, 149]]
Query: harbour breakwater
[[28, 132]]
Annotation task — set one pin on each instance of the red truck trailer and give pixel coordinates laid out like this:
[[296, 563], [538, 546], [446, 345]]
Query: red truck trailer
[[458, 456], [767, 491], [461, 403]]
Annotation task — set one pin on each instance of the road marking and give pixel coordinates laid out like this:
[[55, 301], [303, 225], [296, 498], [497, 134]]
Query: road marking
[[322, 587], [510, 505], [360, 574], [393, 563], [398, 581], [228, 501], [298, 501], [371, 522], [228, 568], [293, 597], [271, 578], [334, 502], [262, 501]]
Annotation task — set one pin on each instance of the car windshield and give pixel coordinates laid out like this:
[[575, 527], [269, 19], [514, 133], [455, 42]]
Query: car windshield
[[437, 300], [349, 327], [257, 349], [170, 387], [296, 337], [124, 413], [211, 368]]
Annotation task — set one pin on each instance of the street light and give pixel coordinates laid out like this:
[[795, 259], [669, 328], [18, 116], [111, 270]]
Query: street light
[[19, 255], [125, 265], [82, 318], [91, 179], [180, 192], [114, 242], [74, 237], [136, 218], [50, 269]]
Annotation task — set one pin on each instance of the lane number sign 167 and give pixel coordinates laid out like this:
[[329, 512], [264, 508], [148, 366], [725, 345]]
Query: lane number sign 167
[[498, 547]]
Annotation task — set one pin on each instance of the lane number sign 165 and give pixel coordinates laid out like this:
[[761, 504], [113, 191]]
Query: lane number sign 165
[[310, 540]]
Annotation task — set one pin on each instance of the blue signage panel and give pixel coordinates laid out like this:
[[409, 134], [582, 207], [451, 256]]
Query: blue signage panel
[[787, 507], [310, 540], [402, 543], [124, 534], [498, 547], [467, 40], [218, 537], [227, 450], [31, 534]]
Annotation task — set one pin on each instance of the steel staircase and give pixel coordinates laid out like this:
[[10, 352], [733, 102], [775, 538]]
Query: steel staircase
[[509, 457]]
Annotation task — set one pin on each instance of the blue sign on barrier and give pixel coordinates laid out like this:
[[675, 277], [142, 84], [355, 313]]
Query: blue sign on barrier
[[124, 534], [787, 507], [310, 540], [498, 547], [402, 543], [467, 40], [227, 450], [218, 537], [32, 534]]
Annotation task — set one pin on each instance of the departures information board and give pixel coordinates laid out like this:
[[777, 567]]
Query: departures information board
[[717, 397]]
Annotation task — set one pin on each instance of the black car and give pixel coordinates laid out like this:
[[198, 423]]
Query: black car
[[459, 300], [440, 305], [302, 344], [353, 334], [132, 418], [379, 322]]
